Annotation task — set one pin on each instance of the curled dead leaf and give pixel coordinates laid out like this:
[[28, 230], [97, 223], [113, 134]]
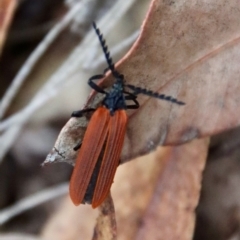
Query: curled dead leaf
[[188, 51]]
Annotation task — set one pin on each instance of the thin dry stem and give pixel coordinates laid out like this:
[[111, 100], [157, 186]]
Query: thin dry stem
[[18, 236], [32, 201]]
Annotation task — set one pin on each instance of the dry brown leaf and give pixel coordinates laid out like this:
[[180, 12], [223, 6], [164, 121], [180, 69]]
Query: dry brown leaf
[[189, 50], [219, 208], [7, 8], [171, 212], [155, 196], [133, 188]]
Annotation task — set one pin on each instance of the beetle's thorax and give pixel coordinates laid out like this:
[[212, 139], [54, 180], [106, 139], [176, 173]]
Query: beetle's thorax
[[115, 99]]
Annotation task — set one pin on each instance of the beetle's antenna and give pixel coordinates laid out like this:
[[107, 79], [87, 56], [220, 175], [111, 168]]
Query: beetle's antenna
[[105, 50], [138, 90]]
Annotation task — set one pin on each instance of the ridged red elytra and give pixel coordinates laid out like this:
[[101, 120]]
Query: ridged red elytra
[[103, 129], [99, 154]]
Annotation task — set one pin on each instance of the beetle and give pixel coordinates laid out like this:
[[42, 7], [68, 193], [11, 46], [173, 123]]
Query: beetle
[[99, 154]]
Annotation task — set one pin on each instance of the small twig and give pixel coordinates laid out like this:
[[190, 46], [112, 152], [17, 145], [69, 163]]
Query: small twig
[[18, 236], [33, 59], [32, 201]]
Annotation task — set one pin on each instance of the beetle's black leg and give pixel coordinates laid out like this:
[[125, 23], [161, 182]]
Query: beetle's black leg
[[93, 85], [81, 112], [133, 106], [77, 146], [131, 96]]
